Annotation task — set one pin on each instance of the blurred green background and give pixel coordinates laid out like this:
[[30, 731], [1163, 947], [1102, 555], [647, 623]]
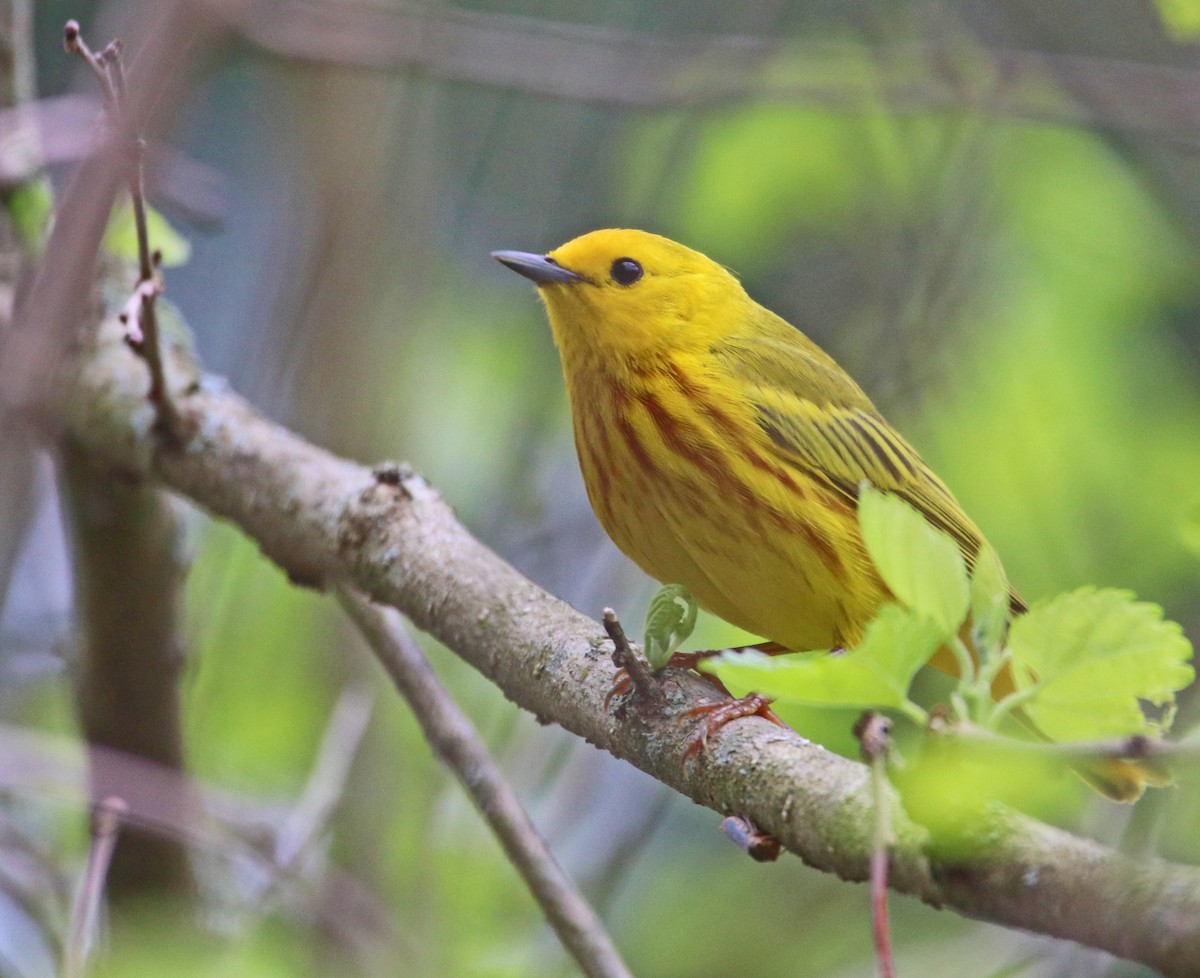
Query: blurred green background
[[989, 212]]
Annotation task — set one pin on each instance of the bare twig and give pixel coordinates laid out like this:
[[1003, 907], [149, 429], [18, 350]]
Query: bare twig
[[227, 826], [1135, 747], [645, 687], [455, 741], [874, 734], [75, 44], [327, 782], [106, 822], [48, 316], [139, 314]]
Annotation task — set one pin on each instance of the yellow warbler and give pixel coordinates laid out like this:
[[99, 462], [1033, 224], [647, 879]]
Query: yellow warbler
[[722, 449]]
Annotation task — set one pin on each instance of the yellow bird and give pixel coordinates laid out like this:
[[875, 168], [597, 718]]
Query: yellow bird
[[721, 448]]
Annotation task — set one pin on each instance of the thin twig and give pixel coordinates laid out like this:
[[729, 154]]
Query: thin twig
[[322, 793], [1136, 747], [456, 742], [327, 782], [139, 315], [225, 825], [111, 58], [874, 734], [75, 44], [106, 822], [645, 687]]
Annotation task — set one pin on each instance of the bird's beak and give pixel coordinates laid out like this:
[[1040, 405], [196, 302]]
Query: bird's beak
[[541, 269]]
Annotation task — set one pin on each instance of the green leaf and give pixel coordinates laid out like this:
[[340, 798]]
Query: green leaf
[[875, 674], [1181, 18], [670, 620], [921, 565], [989, 601], [1093, 656], [952, 789], [121, 237]]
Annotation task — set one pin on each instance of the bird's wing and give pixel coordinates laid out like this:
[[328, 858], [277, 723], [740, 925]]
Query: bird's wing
[[818, 419]]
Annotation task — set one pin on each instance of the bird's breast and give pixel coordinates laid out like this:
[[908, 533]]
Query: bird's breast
[[685, 482]]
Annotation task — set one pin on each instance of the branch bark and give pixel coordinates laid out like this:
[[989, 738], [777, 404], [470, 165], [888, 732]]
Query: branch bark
[[461, 749], [326, 519]]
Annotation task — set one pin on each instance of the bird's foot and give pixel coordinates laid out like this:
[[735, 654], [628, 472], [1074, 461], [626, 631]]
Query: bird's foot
[[721, 712], [716, 713]]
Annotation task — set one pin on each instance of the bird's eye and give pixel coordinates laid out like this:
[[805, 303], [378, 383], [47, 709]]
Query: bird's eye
[[626, 271]]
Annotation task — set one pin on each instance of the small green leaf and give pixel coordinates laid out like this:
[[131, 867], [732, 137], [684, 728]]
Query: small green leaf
[[921, 565], [670, 620], [989, 601], [121, 237], [1092, 657], [875, 674]]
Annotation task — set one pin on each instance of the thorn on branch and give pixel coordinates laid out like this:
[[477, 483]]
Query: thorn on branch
[[645, 687], [874, 731]]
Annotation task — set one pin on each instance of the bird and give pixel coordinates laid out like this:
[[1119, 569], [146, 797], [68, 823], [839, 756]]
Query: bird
[[724, 450]]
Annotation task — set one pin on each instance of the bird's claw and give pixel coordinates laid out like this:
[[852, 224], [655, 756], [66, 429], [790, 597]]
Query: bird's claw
[[717, 714]]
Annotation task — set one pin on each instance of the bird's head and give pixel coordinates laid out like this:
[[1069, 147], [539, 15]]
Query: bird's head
[[631, 294]]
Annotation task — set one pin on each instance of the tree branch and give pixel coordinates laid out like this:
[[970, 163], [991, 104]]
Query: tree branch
[[325, 519], [603, 65], [61, 293], [460, 748]]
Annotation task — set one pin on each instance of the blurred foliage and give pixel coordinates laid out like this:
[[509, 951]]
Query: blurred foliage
[[1181, 17], [1019, 297], [121, 237]]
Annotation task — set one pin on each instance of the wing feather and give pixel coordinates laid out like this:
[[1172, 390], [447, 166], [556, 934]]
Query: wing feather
[[819, 420]]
